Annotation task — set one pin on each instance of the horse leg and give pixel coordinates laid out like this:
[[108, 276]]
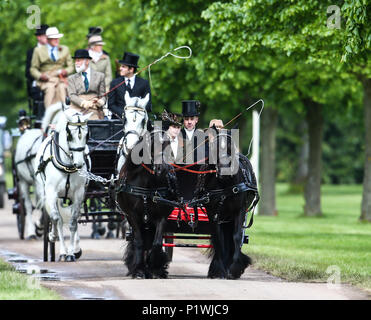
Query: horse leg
[[30, 227], [158, 259], [217, 268], [134, 254], [57, 222], [240, 261]]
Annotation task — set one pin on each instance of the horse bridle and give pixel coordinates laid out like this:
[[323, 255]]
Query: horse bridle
[[78, 124], [139, 135]]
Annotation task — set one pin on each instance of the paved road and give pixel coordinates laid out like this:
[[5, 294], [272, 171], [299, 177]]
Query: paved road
[[101, 274]]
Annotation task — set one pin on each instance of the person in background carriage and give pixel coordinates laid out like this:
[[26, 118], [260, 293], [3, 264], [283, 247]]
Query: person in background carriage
[[100, 61], [50, 66], [32, 89], [128, 81], [86, 87]]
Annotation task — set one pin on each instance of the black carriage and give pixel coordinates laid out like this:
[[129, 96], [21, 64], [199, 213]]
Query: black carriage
[[99, 204]]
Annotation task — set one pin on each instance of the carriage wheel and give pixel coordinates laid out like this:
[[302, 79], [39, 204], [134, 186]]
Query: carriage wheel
[[21, 216], [169, 250], [2, 193]]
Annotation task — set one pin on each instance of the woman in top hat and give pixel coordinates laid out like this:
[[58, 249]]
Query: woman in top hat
[[137, 87]]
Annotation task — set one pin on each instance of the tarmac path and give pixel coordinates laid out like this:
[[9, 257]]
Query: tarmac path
[[101, 274]]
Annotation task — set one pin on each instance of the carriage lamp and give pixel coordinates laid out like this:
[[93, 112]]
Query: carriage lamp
[[1, 168], [16, 207], [12, 194]]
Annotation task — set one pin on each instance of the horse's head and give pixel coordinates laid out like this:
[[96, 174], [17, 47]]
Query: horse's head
[[223, 151], [77, 134], [135, 119]]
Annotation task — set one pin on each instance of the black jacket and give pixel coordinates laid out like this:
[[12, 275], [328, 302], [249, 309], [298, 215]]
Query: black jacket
[[116, 98]]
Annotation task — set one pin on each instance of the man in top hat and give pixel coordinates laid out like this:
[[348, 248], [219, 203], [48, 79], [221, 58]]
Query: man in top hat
[[86, 87], [32, 90], [172, 125], [100, 60], [194, 139], [128, 81], [50, 66]]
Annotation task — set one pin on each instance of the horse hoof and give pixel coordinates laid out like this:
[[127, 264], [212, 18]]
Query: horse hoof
[[62, 258], [95, 235], [30, 238], [110, 235], [101, 231], [78, 254], [70, 258]]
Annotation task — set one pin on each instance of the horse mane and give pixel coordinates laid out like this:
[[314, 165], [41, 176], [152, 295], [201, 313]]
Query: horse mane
[[49, 115]]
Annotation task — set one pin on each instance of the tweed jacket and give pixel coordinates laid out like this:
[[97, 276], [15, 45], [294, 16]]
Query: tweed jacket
[[41, 62], [103, 65], [116, 98], [76, 86]]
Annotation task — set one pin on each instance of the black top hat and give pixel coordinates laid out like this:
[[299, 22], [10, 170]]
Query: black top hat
[[190, 108], [81, 54], [93, 31], [130, 59], [41, 30]]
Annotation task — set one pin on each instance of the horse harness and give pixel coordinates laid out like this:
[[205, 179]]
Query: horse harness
[[55, 157]]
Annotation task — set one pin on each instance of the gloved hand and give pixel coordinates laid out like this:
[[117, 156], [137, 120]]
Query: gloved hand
[[64, 73], [44, 77], [86, 104]]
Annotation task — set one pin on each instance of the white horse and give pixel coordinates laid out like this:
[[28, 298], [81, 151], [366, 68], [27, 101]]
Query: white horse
[[135, 125], [58, 160], [24, 159]]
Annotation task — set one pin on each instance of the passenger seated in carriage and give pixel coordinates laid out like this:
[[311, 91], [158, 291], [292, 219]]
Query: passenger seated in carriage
[[86, 87], [24, 121], [50, 66], [172, 124]]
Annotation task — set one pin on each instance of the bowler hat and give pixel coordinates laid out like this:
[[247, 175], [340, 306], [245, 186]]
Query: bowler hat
[[41, 30], [190, 108], [81, 54], [130, 59]]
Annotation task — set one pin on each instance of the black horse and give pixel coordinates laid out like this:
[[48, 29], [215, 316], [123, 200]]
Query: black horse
[[227, 194], [146, 192]]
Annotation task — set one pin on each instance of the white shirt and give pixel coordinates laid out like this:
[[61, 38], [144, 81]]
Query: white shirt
[[132, 81], [189, 133], [55, 51], [174, 146]]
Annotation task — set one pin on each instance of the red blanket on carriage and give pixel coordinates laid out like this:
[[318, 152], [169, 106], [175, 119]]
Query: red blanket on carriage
[[186, 217]]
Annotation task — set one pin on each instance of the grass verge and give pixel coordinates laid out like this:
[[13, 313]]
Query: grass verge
[[16, 286], [300, 248]]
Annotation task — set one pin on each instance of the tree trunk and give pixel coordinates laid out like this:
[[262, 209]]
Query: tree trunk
[[301, 173], [312, 188], [267, 205], [366, 197]]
